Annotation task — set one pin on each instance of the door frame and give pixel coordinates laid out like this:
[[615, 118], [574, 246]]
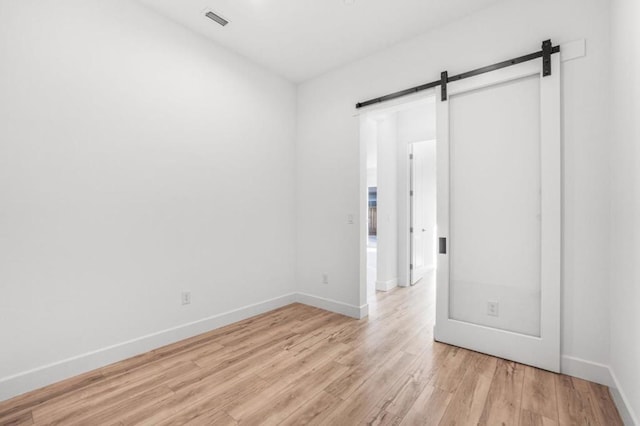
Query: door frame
[[360, 114]]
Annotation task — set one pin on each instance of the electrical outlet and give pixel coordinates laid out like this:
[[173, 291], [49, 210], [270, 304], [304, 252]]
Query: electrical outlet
[[493, 309], [186, 297], [325, 278]]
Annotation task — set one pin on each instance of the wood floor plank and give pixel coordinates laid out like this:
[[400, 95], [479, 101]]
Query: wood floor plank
[[574, 402], [482, 364], [399, 400], [604, 406], [360, 373], [382, 418], [111, 391], [453, 368], [115, 412], [302, 365], [288, 368], [420, 342], [187, 404], [328, 333], [196, 418], [529, 418], [286, 402], [429, 408], [539, 393], [505, 395], [368, 393], [317, 324], [68, 411], [314, 411], [216, 370], [23, 418], [467, 403], [35, 398]]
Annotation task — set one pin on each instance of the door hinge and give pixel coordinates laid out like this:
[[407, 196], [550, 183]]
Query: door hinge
[[411, 193], [411, 229], [411, 266], [410, 156]]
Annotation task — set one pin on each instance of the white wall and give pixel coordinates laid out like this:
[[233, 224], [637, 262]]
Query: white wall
[[328, 151], [137, 160], [625, 202], [417, 123], [371, 140]]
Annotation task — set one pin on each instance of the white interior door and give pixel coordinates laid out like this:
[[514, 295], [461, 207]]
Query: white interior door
[[422, 208], [499, 209]]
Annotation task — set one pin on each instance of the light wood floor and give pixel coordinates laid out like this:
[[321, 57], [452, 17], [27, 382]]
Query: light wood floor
[[301, 365]]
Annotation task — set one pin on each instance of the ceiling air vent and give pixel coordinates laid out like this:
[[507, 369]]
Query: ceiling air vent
[[215, 17]]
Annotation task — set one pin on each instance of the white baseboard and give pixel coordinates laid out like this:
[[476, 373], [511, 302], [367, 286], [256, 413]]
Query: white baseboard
[[622, 402], [357, 312], [52, 373], [603, 374], [587, 370], [42, 376], [387, 285]]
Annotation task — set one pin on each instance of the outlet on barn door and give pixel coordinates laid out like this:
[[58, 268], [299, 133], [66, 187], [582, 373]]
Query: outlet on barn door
[[186, 297]]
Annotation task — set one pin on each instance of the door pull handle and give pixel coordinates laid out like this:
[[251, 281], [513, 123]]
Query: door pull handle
[[442, 243]]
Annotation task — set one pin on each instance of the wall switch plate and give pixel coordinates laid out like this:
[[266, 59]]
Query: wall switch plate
[[325, 278], [350, 219], [493, 309], [186, 297]]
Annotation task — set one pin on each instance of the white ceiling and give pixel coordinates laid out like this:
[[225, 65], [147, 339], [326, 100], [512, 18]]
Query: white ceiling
[[301, 39]]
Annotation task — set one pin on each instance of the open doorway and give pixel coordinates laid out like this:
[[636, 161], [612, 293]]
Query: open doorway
[[400, 187]]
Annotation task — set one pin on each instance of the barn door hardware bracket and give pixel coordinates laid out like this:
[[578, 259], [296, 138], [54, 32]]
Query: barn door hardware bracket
[[547, 49], [444, 79]]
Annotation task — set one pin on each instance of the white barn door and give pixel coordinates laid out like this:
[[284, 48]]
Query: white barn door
[[499, 214]]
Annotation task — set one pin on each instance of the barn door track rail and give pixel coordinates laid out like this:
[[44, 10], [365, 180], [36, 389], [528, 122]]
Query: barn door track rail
[[547, 50]]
